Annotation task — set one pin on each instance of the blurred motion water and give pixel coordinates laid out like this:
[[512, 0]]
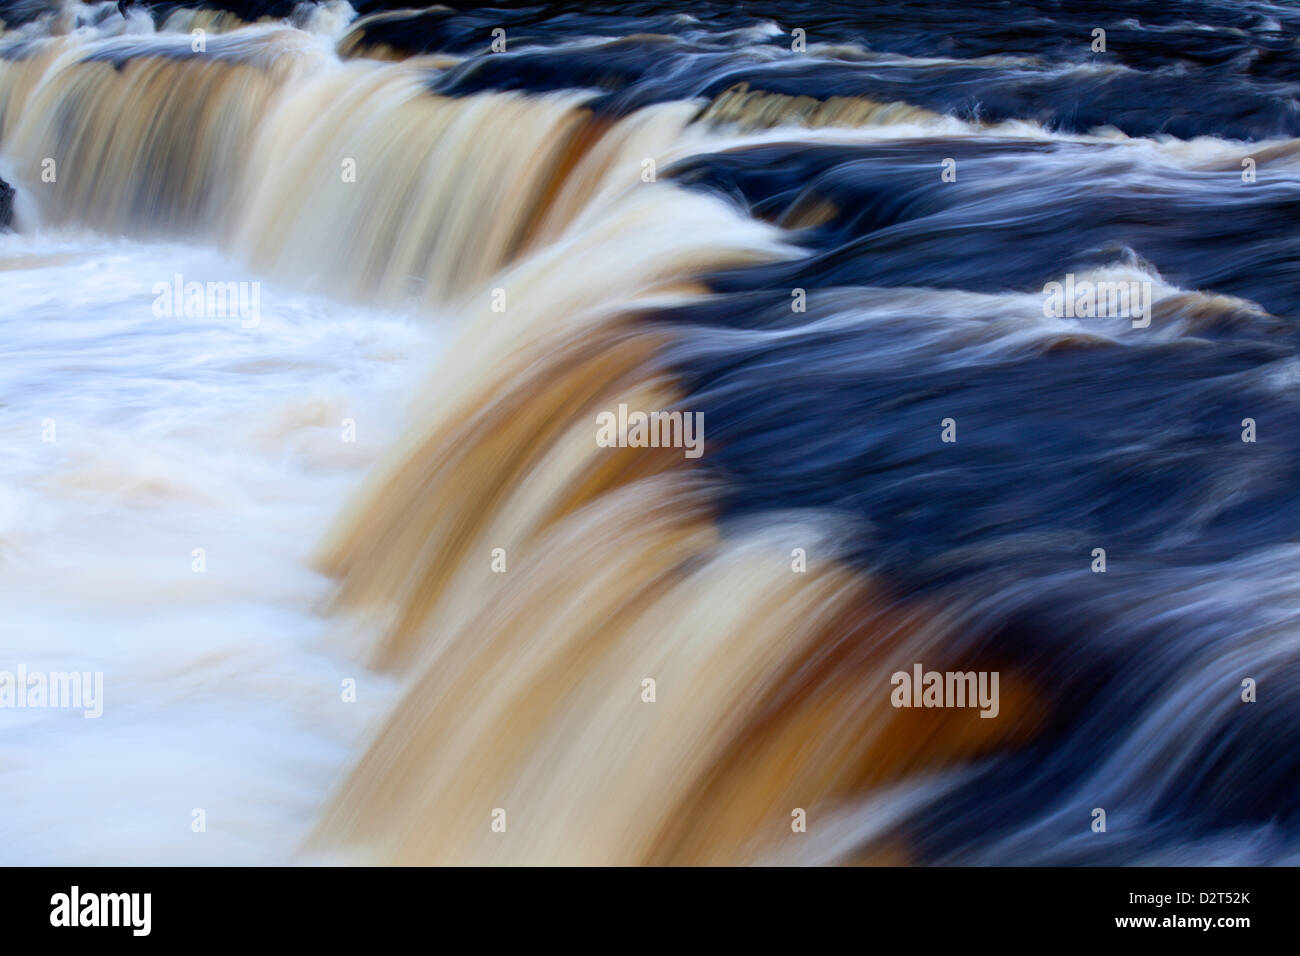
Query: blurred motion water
[[830, 229]]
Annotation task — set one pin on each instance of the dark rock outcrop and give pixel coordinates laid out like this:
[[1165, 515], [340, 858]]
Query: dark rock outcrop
[[6, 205]]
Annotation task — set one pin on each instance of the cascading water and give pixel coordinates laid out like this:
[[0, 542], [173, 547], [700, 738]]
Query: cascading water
[[358, 574]]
